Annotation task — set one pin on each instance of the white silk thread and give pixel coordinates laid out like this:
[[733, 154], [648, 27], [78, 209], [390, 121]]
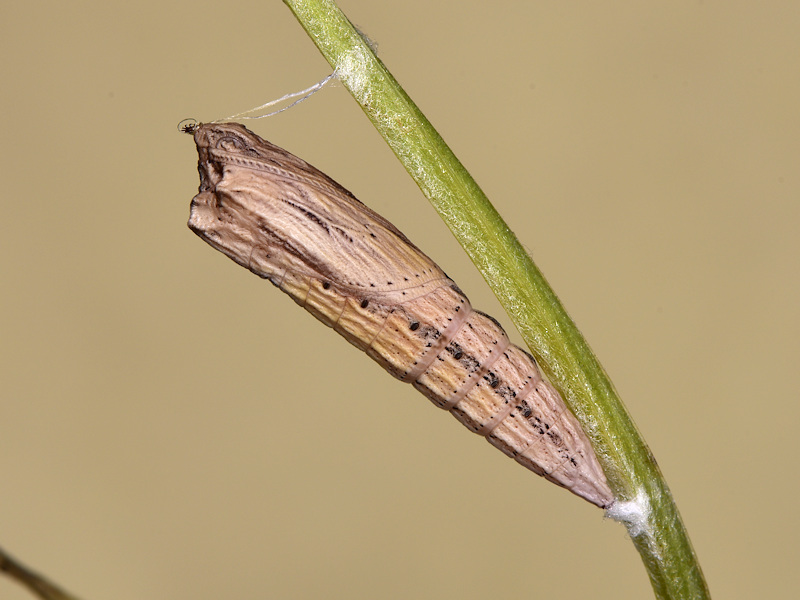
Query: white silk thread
[[306, 93]]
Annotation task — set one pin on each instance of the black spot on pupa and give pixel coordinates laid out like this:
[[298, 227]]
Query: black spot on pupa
[[364, 303], [458, 354], [326, 285], [525, 410], [414, 326]]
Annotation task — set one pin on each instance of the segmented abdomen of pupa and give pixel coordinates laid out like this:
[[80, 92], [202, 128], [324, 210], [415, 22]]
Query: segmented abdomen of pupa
[[462, 360]]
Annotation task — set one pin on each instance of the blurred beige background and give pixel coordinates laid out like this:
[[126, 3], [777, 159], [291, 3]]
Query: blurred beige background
[[155, 439]]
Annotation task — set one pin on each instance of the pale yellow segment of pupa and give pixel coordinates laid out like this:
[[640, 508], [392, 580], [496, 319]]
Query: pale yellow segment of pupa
[[278, 216]]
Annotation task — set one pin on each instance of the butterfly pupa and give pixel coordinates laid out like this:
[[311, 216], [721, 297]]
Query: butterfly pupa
[[288, 222]]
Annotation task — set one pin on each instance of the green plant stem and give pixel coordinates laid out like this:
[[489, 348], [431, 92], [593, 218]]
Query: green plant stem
[[560, 349]]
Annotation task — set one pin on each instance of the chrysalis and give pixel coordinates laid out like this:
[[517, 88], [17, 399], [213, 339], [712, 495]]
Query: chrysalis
[[278, 216]]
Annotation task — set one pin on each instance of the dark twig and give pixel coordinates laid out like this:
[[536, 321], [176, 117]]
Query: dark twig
[[33, 581]]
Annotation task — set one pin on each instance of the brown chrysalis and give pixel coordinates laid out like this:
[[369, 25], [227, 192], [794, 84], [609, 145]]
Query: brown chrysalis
[[278, 216]]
